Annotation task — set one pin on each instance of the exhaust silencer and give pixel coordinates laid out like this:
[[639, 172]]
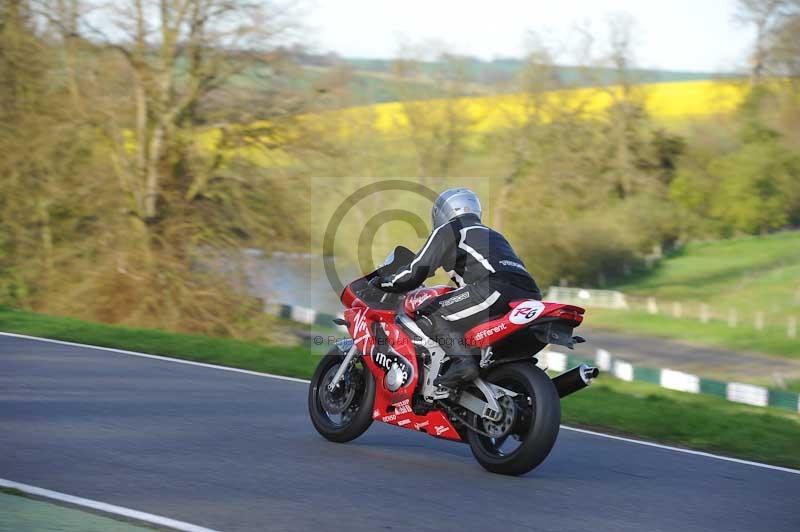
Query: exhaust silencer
[[575, 379]]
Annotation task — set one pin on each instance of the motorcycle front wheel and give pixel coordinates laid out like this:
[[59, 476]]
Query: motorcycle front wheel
[[526, 433], [345, 413]]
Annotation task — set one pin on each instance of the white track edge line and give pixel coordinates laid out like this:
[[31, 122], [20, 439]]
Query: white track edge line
[[682, 450], [306, 381], [104, 508]]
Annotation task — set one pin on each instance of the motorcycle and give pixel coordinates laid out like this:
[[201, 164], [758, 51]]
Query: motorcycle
[[385, 371]]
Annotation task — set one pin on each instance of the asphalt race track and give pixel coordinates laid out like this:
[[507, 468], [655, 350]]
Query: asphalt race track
[[233, 451]]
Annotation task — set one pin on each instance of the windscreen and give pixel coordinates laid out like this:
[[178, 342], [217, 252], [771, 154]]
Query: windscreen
[[397, 259]]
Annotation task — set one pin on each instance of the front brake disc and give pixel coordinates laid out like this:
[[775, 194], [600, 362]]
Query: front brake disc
[[336, 401]]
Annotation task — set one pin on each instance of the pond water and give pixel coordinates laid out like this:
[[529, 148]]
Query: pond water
[[295, 279]]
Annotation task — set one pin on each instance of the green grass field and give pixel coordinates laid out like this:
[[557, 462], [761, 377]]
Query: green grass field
[[745, 275], [754, 272], [771, 341], [644, 410]]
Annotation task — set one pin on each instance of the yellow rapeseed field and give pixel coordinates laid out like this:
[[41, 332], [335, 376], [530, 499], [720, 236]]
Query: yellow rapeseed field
[[664, 101], [486, 113]]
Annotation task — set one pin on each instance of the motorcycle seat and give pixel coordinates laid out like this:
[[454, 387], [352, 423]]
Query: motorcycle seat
[[522, 314]]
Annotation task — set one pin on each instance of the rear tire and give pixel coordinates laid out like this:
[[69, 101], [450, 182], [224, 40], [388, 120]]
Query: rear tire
[[536, 428], [358, 413]]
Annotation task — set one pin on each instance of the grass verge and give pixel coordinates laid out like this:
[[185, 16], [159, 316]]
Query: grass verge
[[695, 421], [645, 410], [13, 491], [282, 360], [20, 511]]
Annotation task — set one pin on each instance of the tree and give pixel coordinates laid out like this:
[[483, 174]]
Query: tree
[[592, 182], [546, 125], [784, 44], [784, 48], [766, 17], [750, 187], [39, 148], [437, 119], [192, 183], [758, 188]]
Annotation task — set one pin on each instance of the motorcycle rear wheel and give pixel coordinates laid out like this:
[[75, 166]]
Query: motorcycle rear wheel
[[537, 418], [344, 414]]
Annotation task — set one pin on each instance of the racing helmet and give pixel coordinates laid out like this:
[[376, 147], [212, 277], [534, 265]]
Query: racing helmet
[[452, 203]]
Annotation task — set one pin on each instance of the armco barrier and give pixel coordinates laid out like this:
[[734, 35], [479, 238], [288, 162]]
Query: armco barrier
[[677, 380], [666, 378], [301, 314]]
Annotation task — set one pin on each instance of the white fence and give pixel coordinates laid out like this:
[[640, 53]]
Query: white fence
[[757, 319], [587, 297]]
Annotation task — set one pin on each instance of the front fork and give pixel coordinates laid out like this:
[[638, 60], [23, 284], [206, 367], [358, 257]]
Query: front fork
[[343, 367]]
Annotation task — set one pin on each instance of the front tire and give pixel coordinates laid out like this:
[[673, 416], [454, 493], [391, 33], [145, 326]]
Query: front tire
[[344, 414], [537, 416]]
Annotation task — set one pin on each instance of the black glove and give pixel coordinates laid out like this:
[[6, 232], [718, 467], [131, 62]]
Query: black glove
[[375, 282]]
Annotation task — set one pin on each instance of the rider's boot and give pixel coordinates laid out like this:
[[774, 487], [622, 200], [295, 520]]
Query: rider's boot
[[462, 369]]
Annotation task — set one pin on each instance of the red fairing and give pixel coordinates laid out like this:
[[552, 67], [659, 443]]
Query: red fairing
[[349, 299], [434, 423], [393, 407], [522, 314], [416, 298]]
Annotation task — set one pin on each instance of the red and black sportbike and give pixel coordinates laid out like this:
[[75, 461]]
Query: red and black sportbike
[[509, 415]]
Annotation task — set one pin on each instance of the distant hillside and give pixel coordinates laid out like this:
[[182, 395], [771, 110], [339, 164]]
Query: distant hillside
[[373, 80], [504, 71]]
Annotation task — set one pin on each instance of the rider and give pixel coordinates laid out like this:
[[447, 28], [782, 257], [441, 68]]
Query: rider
[[483, 265]]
